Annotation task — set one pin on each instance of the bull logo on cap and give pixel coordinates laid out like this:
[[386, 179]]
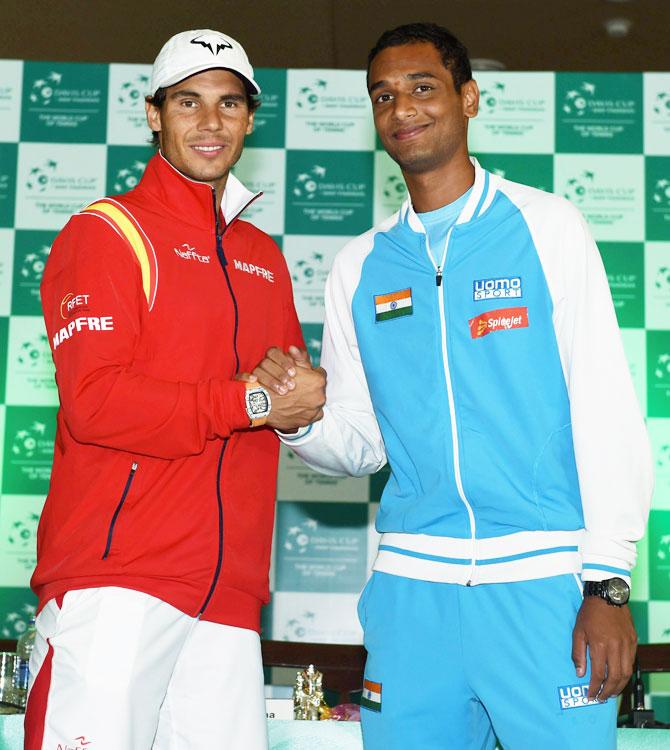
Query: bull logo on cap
[[208, 42]]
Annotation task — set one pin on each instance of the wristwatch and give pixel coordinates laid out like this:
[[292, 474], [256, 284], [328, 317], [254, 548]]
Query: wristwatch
[[258, 404], [614, 591]]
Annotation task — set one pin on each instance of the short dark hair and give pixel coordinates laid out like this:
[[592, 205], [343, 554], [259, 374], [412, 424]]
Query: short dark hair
[[453, 52], [158, 99]]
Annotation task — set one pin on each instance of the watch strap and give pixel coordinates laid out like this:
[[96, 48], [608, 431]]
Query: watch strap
[[595, 588], [601, 589]]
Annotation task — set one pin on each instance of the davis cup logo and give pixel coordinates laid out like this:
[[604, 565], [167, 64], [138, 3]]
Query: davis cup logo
[[298, 537], [306, 270], [662, 104], [296, 628], [577, 100], [27, 442], [43, 89], [394, 190], [34, 353], [662, 280], [661, 194], [33, 264], [306, 184], [663, 549], [394, 187], [663, 457], [488, 100], [314, 349], [38, 177], [22, 533], [16, 623], [128, 177], [308, 96], [576, 187], [662, 368], [131, 93]]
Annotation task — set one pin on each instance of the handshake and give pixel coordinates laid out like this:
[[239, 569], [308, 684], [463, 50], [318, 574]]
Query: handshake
[[298, 390]]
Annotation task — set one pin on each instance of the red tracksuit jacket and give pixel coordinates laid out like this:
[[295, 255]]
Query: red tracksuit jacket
[[158, 484]]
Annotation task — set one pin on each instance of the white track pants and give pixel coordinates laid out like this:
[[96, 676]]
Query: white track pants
[[117, 669]]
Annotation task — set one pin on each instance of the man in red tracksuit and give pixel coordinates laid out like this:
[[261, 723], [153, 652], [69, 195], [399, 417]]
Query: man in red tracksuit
[[154, 543]]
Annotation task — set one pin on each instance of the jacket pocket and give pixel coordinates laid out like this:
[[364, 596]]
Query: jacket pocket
[[362, 608], [117, 511]]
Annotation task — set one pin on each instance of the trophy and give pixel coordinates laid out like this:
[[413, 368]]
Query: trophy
[[308, 702]]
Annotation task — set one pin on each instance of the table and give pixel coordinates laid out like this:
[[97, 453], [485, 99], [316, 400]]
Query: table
[[334, 735]]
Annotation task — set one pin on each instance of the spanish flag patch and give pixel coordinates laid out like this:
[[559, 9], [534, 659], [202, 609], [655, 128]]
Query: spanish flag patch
[[393, 305], [372, 695]]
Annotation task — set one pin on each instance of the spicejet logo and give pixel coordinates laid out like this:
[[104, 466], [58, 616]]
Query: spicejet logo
[[72, 303], [498, 320]]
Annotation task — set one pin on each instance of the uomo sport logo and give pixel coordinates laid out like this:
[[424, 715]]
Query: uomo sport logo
[[503, 288]]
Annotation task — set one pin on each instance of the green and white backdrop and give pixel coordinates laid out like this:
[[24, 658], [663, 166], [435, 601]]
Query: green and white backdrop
[[70, 133]]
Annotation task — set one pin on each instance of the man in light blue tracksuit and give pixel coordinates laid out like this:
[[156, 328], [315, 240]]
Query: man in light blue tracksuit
[[470, 341]]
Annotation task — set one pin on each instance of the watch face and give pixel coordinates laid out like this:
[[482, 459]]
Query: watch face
[[617, 591], [258, 402]]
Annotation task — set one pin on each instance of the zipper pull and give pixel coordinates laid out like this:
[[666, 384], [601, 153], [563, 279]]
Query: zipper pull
[[133, 468], [438, 277]]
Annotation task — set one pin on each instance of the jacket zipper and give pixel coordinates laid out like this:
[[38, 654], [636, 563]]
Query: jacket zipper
[[124, 494], [219, 557], [439, 269], [219, 500]]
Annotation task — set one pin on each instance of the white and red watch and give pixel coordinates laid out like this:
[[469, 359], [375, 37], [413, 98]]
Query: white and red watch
[[258, 403]]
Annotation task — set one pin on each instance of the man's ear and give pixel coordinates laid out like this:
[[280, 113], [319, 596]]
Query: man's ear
[[153, 116], [250, 124], [470, 98]]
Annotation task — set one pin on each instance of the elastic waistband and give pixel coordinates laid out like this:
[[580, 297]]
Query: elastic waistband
[[523, 556]]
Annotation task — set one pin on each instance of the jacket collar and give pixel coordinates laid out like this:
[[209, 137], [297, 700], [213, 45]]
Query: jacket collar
[[481, 197], [190, 200]]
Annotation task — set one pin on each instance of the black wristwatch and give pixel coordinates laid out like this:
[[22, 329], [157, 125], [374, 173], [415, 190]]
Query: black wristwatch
[[614, 591]]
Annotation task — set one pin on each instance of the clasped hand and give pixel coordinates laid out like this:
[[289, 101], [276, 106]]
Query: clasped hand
[[298, 390]]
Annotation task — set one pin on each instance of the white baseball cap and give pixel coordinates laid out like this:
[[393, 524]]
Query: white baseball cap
[[191, 52]]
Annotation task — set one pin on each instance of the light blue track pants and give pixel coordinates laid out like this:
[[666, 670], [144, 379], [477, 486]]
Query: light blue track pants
[[459, 665]]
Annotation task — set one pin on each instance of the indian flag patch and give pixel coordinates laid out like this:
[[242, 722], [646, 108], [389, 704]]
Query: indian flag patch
[[372, 695], [393, 305]]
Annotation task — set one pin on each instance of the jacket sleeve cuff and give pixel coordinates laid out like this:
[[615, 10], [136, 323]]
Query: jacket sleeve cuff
[[601, 572], [604, 558], [294, 438], [229, 410]]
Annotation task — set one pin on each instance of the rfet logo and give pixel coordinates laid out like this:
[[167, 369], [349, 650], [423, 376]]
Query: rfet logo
[[73, 303], [498, 320]]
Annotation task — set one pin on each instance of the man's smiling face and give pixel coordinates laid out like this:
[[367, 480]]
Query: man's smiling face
[[420, 117], [202, 125]]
